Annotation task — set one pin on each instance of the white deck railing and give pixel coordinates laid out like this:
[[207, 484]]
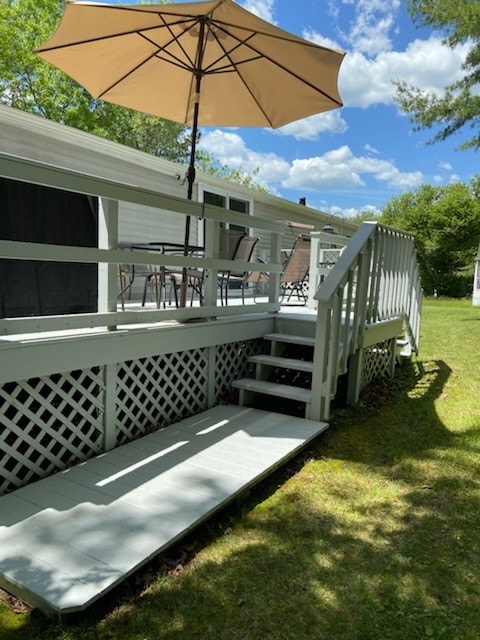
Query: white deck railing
[[326, 249], [374, 282], [108, 256]]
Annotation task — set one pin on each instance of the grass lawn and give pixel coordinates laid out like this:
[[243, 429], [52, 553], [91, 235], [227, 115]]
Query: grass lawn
[[373, 534]]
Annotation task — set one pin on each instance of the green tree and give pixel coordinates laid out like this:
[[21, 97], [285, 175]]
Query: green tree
[[210, 165], [445, 221], [459, 105], [30, 84], [365, 215]]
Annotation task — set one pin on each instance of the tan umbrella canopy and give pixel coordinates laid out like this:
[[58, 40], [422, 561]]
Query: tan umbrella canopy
[[207, 63]]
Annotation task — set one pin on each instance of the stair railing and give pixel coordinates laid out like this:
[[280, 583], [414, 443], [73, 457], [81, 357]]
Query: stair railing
[[376, 279]]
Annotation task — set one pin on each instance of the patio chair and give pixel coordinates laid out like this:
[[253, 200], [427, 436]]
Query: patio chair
[[229, 242], [125, 281], [258, 279], [244, 252], [294, 278], [127, 273]]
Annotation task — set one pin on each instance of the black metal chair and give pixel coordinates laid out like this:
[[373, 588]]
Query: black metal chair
[[243, 252], [229, 243]]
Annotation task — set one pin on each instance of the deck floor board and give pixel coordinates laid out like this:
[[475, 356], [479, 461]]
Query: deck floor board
[[68, 539]]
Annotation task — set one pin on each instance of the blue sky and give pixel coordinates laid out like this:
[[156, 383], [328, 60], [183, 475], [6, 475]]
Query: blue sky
[[361, 155]]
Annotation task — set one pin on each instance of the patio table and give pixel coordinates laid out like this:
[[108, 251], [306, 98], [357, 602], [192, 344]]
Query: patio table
[[173, 248]]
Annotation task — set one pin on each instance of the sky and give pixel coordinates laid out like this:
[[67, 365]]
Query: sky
[[357, 157]]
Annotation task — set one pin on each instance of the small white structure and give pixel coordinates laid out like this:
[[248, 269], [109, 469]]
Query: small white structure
[[476, 281]]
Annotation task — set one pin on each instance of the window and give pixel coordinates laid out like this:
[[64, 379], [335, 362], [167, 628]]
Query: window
[[226, 202]]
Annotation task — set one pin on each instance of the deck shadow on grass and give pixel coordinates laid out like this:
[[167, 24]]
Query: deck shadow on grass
[[384, 548], [395, 419], [296, 570]]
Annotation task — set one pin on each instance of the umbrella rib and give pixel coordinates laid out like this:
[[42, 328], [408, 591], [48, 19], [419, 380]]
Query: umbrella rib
[[177, 40], [171, 58], [283, 35], [270, 59], [155, 54], [126, 75], [227, 55], [119, 34]]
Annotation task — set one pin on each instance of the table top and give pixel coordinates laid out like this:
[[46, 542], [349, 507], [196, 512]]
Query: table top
[[165, 247]]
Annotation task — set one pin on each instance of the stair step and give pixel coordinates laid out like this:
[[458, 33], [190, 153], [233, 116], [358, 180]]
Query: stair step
[[305, 341], [404, 349], [283, 363], [273, 389]]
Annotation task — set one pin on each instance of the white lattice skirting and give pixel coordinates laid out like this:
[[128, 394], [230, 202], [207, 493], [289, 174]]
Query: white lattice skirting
[[48, 424], [377, 361]]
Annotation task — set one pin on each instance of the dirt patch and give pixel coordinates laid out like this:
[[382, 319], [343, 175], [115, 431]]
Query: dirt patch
[[14, 604]]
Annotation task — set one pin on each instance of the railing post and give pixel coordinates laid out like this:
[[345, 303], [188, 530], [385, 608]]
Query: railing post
[[274, 282], [313, 280], [107, 239], [319, 407], [355, 365], [212, 242]]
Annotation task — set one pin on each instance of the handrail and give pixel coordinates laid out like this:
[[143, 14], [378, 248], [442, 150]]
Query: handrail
[[90, 255], [376, 279], [50, 175]]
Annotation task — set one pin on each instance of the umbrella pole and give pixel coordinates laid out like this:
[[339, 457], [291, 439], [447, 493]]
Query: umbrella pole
[[191, 168], [191, 180]]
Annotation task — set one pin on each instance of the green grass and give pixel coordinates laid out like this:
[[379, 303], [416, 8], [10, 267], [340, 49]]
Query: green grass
[[373, 534]]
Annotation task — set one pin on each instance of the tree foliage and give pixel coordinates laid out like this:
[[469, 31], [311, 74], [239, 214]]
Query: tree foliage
[[210, 165], [365, 215], [30, 84], [445, 221], [459, 105]]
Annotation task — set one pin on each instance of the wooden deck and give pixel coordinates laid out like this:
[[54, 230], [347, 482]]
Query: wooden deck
[[68, 539]]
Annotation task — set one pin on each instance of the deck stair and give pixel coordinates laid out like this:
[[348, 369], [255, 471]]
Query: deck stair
[[404, 350], [291, 360], [265, 365]]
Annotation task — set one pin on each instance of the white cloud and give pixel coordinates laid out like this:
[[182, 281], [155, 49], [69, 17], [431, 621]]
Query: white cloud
[[347, 212], [370, 30], [370, 25], [425, 63], [338, 168], [310, 128], [261, 8], [437, 179], [229, 148], [429, 64], [445, 165], [321, 173], [318, 38], [370, 149]]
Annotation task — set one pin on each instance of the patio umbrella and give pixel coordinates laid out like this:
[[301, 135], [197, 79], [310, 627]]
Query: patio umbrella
[[207, 63]]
